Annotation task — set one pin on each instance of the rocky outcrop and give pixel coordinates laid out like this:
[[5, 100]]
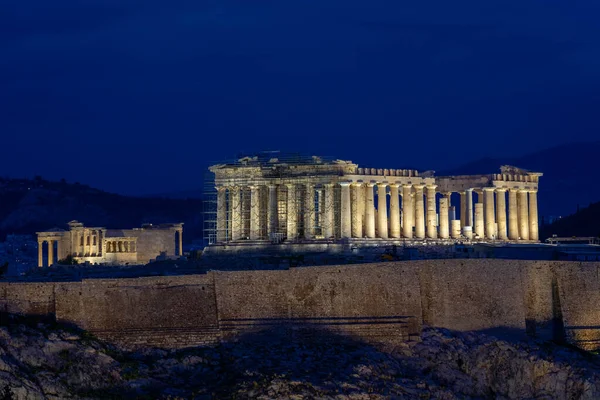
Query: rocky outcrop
[[44, 361]]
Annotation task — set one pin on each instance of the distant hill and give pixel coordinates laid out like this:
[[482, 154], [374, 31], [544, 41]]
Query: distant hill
[[570, 175], [585, 222], [30, 205]]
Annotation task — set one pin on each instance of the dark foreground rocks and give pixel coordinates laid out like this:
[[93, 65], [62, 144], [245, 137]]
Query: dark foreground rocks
[[44, 361]]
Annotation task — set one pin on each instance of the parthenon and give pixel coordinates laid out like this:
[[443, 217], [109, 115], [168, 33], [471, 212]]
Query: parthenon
[[306, 199]]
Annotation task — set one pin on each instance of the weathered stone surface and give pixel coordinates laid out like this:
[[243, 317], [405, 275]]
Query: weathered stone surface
[[546, 299]]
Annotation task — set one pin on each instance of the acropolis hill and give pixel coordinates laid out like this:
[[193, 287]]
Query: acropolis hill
[[309, 199]]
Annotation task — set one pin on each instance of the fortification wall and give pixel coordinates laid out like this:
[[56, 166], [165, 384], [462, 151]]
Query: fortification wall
[[577, 300], [376, 302], [36, 299], [164, 311], [371, 302]]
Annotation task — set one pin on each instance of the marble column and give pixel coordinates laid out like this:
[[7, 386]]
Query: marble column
[[273, 210], [180, 242], [469, 208], [455, 229], [355, 203], [255, 231], [394, 211], [40, 253], [221, 216], [490, 215], [292, 212], [451, 209], [236, 213], [501, 213], [58, 250], [407, 212], [361, 208], [50, 252], [463, 208], [533, 216], [370, 211], [419, 212], [329, 217], [309, 211], [513, 219], [382, 218], [431, 212], [75, 248], [479, 226], [346, 217], [444, 220], [523, 215]]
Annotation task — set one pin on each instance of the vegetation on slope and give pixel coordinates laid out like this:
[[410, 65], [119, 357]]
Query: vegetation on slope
[[27, 206]]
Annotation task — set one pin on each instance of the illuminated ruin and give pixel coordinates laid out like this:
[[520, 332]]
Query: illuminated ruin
[[301, 199]]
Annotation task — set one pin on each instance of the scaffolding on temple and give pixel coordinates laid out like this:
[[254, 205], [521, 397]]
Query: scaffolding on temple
[[309, 202]]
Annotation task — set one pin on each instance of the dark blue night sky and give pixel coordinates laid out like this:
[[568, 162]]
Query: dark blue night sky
[[139, 96]]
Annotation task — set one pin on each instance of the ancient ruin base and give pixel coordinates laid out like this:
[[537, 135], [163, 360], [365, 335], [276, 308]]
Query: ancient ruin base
[[254, 254]]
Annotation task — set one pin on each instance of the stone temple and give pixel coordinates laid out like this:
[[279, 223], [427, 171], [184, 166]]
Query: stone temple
[[98, 245], [307, 199]]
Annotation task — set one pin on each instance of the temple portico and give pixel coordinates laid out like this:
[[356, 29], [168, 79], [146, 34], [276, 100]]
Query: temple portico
[[98, 245], [309, 199]]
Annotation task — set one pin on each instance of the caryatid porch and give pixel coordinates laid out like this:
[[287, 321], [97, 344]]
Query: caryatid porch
[[339, 200]]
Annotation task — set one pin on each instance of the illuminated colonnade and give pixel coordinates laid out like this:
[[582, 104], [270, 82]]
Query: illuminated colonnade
[[339, 200]]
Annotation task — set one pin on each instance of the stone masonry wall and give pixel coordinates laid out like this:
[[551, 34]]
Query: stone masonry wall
[[375, 302], [367, 301], [151, 242]]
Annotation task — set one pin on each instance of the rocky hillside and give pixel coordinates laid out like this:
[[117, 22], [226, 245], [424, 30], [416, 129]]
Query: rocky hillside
[[27, 206], [43, 361], [585, 222]]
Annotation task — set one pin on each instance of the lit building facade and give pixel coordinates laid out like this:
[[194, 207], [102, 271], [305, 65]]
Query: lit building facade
[[97, 245], [308, 199]]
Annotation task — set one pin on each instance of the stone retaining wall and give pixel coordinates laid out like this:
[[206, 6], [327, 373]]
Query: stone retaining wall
[[382, 301]]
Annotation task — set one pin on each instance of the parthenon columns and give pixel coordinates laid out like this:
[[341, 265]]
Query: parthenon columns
[[444, 220], [523, 215], [490, 217], [352, 213], [501, 213], [394, 211], [40, 253], [382, 219], [272, 211], [468, 208], [221, 215], [407, 211], [479, 226], [328, 223], [309, 211], [254, 213], [513, 219], [292, 212], [369, 211], [357, 210], [236, 213], [533, 216], [420, 212], [431, 213], [346, 218]]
